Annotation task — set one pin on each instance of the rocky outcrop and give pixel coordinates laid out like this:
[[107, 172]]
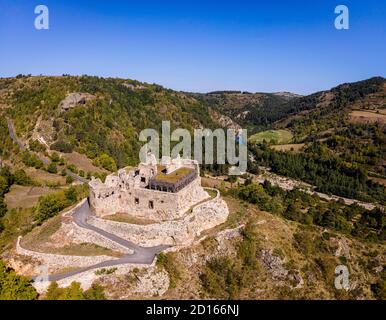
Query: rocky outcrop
[[74, 99], [224, 120], [275, 267], [273, 264], [145, 282]]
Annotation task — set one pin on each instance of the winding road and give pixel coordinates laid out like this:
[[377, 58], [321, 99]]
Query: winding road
[[23, 147], [140, 255]]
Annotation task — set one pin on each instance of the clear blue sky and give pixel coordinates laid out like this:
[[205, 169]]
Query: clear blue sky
[[198, 45]]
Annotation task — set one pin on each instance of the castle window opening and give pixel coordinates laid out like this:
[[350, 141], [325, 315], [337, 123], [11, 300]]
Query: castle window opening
[[136, 200], [151, 204], [143, 179]]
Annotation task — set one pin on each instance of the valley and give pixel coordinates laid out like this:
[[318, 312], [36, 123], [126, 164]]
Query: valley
[[313, 196]]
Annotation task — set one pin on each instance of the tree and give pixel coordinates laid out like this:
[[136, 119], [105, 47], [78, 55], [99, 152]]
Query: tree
[[328, 219], [96, 292], [69, 179], [3, 207], [13, 286], [232, 179], [106, 162], [71, 194], [53, 292], [21, 178], [49, 206], [292, 212], [74, 292], [379, 289]]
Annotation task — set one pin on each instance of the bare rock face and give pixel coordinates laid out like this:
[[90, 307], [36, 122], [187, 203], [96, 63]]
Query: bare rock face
[[74, 99], [138, 282], [133, 86], [273, 264], [224, 120], [343, 248]]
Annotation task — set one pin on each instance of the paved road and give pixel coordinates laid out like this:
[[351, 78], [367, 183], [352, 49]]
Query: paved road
[[141, 255], [76, 177], [22, 146], [14, 136]]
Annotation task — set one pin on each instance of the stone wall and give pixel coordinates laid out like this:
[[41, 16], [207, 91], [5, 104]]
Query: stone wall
[[71, 233], [87, 278], [178, 232], [136, 202], [57, 261]]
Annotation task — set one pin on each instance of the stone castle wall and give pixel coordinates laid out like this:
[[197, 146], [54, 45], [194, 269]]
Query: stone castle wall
[[136, 202], [72, 233], [179, 232], [58, 261]]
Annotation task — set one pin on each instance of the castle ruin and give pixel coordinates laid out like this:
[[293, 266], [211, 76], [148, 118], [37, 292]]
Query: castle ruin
[[153, 191]]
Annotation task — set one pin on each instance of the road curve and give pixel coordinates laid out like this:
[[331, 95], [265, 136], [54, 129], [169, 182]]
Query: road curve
[[23, 147], [141, 255]]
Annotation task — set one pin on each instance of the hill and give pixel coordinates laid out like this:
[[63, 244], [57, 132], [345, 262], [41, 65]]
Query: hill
[[91, 115], [276, 243], [342, 134], [246, 109]]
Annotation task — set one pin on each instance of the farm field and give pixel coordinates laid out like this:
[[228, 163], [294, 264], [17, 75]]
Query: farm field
[[81, 162], [363, 117], [293, 147], [25, 196], [272, 137]]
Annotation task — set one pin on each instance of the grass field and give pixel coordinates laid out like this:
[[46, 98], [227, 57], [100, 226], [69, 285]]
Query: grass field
[[45, 177], [272, 137], [81, 162], [376, 116], [124, 217], [86, 249], [25, 196], [39, 239], [294, 147]]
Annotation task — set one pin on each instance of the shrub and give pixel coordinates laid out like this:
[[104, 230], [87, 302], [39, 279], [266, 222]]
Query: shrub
[[36, 146], [166, 261], [221, 278], [74, 292], [13, 286], [21, 178], [69, 179], [55, 157], [31, 160], [62, 146], [51, 168], [379, 289]]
